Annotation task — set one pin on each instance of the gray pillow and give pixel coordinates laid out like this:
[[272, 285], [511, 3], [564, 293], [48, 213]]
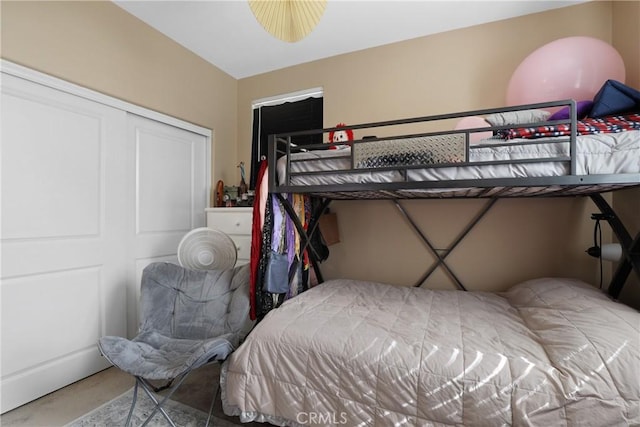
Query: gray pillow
[[517, 117]]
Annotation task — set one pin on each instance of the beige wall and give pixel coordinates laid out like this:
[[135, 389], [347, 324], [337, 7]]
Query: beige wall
[[98, 45], [626, 39], [455, 71]]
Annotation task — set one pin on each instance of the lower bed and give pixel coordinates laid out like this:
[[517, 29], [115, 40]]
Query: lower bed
[[546, 352]]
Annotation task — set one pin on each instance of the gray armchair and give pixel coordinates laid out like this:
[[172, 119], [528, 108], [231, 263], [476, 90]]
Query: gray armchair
[[188, 318]]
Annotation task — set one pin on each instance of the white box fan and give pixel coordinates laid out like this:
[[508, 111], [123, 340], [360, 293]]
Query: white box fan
[[207, 249]]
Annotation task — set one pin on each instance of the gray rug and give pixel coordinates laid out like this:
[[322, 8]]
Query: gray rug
[[114, 413]]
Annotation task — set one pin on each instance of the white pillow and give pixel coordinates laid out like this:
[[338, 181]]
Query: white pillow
[[517, 117]]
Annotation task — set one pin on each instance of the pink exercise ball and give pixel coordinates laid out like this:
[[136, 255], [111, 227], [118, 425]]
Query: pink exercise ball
[[473, 122], [568, 68]]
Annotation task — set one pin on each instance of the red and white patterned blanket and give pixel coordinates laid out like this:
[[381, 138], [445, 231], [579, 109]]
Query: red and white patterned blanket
[[609, 124]]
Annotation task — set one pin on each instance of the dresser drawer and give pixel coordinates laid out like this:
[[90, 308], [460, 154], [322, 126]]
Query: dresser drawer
[[231, 220], [243, 245], [237, 224]]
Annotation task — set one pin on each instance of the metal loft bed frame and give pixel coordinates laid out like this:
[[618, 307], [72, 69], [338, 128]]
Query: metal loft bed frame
[[282, 153]]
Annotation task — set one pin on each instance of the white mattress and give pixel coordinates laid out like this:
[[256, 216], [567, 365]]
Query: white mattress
[[609, 153]]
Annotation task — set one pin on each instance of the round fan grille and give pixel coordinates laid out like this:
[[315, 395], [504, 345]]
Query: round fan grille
[[207, 249]]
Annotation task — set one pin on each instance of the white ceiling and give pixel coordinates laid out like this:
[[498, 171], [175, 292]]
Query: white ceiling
[[226, 34]]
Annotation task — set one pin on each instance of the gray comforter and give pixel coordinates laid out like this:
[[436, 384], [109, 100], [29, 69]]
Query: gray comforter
[[548, 352]]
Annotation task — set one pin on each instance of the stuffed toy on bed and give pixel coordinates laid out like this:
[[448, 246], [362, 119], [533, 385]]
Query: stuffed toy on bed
[[340, 136]]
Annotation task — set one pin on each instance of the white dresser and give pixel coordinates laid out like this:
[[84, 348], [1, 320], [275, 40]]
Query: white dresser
[[236, 222]]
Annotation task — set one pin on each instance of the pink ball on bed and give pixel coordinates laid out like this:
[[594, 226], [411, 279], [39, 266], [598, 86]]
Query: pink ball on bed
[[471, 123], [568, 68]]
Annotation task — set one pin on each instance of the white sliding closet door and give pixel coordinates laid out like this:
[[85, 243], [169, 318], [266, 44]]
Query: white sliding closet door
[[92, 190], [169, 169], [63, 195]]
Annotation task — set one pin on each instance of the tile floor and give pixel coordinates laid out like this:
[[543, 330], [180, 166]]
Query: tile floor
[[65, 405]]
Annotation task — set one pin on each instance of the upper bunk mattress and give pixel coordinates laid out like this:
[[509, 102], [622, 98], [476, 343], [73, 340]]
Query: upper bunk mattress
[[607, 153]]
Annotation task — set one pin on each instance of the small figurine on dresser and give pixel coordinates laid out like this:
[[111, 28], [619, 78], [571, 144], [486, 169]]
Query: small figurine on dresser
[[242, 189], [220, 201]]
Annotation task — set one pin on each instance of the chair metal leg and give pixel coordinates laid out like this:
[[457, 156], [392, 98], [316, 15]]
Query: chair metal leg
[[213, 401], [133, 404], [148, 388]]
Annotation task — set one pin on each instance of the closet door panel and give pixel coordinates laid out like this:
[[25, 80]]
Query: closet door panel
[[59, 171], [169, 168], [62, 237], [164, 171], [80, 322]]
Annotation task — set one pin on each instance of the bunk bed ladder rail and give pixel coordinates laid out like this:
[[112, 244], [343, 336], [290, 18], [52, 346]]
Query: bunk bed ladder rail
[[272, 162], [573, 137]]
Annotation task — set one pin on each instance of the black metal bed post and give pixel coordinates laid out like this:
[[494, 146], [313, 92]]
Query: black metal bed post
[[630, 247], [305, 235], [272, 159], [573, 165]]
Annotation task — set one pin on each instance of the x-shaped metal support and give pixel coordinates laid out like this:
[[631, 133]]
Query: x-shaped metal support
[[441, 254], [305, 235], [630, 247]]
